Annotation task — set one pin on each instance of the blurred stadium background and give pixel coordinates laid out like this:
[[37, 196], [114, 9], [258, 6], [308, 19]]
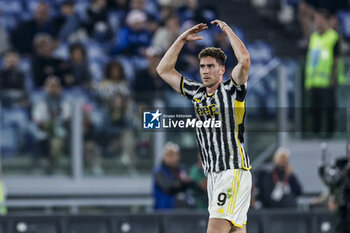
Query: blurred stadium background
[[90, 170]]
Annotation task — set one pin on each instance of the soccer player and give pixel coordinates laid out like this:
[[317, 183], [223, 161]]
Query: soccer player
[[225, 160]]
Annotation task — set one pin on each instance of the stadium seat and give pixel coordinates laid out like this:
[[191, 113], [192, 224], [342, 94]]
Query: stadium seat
[[11, 7], [185, 223], [37, 95], [74, 94], [62, 51], [114, 18], [81, 8], [138, 223], [32, 5], [96, 70], [25, 65], [9, 22], [95, 52]]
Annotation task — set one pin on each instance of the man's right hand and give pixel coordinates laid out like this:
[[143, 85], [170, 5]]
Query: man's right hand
[[191, 34]]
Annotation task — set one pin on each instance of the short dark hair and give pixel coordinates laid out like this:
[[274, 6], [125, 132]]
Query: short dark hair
[[110, 66], [77, 46], [216, 53]]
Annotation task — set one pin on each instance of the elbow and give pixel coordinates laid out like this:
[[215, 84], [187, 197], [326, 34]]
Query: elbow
[[162, 71], [159, 70], [245, 60]]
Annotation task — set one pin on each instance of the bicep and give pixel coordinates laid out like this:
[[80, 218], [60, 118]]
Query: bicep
[[173, 78], [240, 73]]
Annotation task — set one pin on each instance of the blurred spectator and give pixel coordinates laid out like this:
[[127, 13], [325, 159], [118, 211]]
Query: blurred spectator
[[279, 187], [4, 39], [114, 82], [12, 80], [336, 177], [79, 67], [115, 93], [321, 74], [170, 181], [134, 38], [307, 10], [199, 188], [52, 116], [166, 35], [97, 24], [148, 85], [66, 23], [23, 36], [43, 63]]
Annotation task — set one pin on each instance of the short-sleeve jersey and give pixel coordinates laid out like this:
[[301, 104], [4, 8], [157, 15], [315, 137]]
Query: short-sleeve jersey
[[221, 148]]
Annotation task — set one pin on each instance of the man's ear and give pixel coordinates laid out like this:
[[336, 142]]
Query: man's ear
[[222, 70]]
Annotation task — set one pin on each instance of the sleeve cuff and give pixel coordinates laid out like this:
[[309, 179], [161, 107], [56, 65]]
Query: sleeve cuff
[[182, 85], [233, 81]]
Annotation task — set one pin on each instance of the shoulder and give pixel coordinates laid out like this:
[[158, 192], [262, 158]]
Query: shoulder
[[191, 86]]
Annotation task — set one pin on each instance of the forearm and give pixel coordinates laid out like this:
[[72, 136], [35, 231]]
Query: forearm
[[237, 45], [166, 67], [167, 64]]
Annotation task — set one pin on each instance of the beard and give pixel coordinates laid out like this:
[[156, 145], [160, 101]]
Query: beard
[[210, 83]]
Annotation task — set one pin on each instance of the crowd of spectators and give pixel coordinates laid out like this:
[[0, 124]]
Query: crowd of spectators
[[106, 49]]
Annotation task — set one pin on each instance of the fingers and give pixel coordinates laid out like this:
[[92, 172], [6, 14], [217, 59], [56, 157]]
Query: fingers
[[216, 22], [198, 38], [199, 27]]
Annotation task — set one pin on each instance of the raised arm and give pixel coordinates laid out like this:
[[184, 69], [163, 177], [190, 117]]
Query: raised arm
[[241, 70], [166, 67]]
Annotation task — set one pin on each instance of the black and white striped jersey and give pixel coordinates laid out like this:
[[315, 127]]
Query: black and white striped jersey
[[220, 148]]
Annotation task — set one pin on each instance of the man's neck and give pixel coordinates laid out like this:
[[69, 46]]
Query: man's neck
[[212, 89]]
